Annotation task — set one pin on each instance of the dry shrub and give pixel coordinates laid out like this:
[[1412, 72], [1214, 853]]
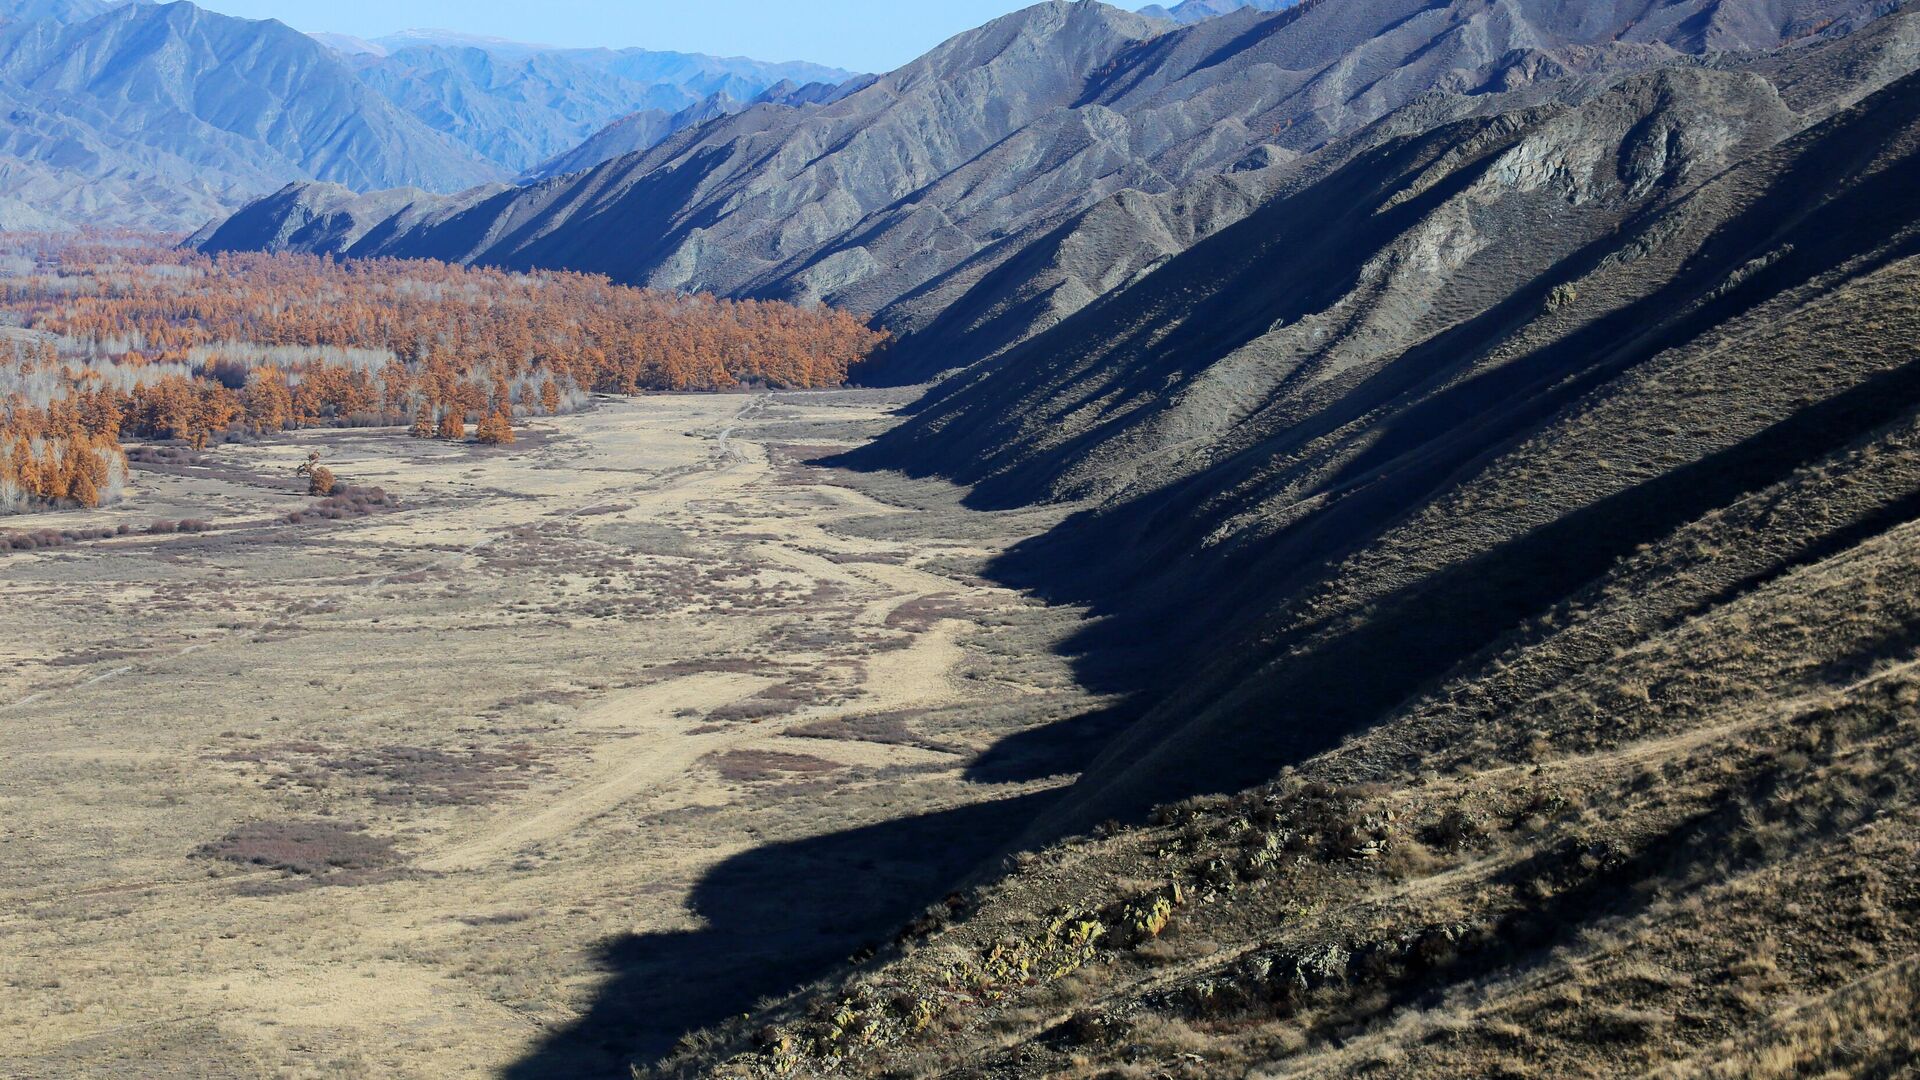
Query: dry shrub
[[398, 775], [419, 776], [345, 502], [920, 615], [41, 539], [885, 729], [164, 455], [747, 766], [750, 709], [305, 848]]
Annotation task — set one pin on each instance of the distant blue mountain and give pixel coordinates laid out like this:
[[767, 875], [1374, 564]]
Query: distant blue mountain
[[519, 105], [167, 115], [1193, 11], [128, 112]]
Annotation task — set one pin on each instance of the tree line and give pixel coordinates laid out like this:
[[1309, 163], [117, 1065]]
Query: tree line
[[113, 336]]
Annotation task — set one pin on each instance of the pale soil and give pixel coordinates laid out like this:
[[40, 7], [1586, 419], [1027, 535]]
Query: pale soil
[[560, 629]]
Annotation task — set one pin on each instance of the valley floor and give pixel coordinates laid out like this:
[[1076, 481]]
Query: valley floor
[[592, 740]]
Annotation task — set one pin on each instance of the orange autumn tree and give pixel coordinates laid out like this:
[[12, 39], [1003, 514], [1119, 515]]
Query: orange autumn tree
[[51, 457], [136, 338], [495, 430]]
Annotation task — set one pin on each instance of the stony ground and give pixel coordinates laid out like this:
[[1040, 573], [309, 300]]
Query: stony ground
[[584, 742]]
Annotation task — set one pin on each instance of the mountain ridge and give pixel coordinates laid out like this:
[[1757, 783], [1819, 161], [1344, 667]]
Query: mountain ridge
[[166, 104], [1153, 109], [169, 116]]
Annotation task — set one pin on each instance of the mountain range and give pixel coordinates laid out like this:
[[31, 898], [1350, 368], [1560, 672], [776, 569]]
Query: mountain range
[[955, 197], [168, 116], [1193, 11], [519, 106]]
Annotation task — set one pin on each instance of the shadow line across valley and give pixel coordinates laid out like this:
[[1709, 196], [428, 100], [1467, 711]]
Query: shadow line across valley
[[776, 917]]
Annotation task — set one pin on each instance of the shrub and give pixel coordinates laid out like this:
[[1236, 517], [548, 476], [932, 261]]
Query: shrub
[[307, 848], [345, 502]]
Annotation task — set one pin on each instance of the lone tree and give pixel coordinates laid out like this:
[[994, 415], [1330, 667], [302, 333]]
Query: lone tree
[[320, 482], [495, 430], [422, 422], [453, 426]]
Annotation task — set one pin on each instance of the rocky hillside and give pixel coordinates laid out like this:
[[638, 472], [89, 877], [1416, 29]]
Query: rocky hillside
[[1505, 534], [907, 197]]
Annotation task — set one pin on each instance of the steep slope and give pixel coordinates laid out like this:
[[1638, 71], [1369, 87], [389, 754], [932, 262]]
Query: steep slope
[[159, 114], [167, 116], [1535, 570], [651, 127], [901, 198], [64, 11], [792, 178], [630, 134], [348, 45], [701, 75], [1270, 407], [1301, 80]]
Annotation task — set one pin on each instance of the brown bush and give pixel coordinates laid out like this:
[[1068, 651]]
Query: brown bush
[[747, 766], [305, 848], [345, 502]]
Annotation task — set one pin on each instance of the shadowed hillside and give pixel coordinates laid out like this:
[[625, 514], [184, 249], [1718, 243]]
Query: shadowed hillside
[[1509, 530]]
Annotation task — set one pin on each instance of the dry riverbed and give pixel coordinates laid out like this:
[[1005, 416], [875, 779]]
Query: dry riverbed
[[585, 741]]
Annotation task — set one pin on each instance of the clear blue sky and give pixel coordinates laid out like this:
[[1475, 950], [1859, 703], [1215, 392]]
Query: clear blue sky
[[863, 35]]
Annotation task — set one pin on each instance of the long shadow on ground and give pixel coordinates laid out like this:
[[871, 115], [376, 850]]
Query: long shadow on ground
[[776, 917]]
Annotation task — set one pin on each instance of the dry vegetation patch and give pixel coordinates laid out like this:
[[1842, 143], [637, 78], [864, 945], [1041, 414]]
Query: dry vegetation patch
[[399, 775], [921, 613], [326, 852], [755, 766], [885, 729]]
